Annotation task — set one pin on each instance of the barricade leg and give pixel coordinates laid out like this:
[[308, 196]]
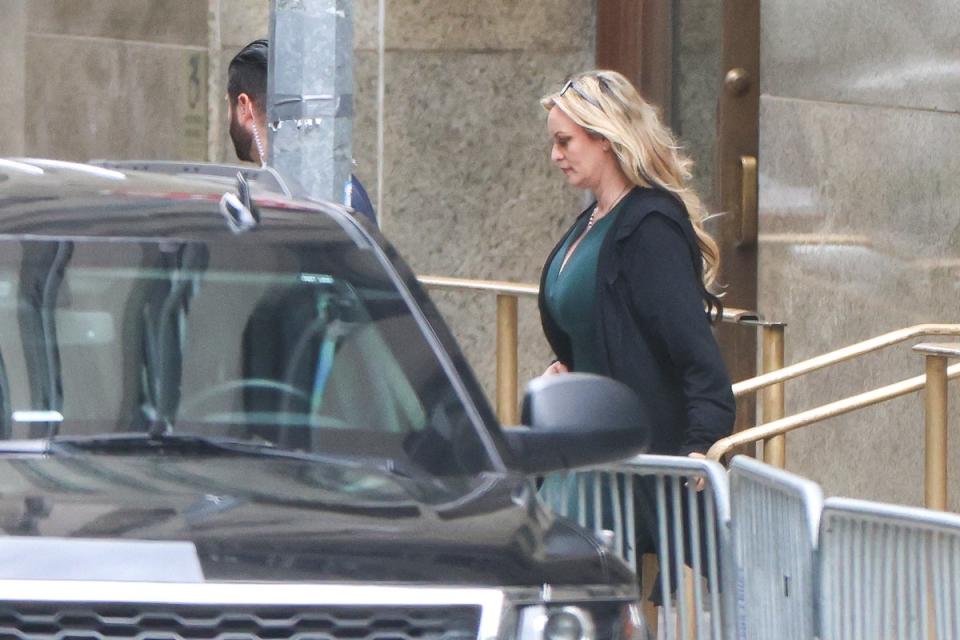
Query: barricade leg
[[691, 589], [649, 568]]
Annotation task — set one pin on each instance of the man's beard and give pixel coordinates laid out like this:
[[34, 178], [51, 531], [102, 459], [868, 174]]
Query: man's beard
[[242, 139]]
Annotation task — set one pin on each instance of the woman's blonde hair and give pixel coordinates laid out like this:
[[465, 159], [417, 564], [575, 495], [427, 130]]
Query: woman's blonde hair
[[608, 106]]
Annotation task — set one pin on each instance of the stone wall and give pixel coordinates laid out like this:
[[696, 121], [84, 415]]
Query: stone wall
[[697, 33], [860, 219], [233, 23], [12, 77], [117, 78]]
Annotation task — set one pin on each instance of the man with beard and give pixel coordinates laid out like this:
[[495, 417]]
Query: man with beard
[[246, 100]]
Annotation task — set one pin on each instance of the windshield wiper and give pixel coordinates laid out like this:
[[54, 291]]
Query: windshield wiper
[[190, 444]]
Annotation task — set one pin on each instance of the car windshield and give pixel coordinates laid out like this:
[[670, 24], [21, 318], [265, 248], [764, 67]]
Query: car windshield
[[305, 346]]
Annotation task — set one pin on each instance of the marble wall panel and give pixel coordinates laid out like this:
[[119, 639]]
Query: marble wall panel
[[114, 99], [697, 84], [469, 156], [12, 76], [242, 21], [223, 149], [883, 52], [478, 25], [365, 75], [469, 189], [181, 22], [860, 235]]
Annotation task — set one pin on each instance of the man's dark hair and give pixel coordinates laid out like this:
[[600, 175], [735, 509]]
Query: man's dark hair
[[247, 73]]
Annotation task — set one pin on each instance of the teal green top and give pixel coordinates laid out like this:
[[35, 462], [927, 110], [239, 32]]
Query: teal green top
[[570, 292]]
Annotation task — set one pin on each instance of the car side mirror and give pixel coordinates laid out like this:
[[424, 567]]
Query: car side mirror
[[577, 419]]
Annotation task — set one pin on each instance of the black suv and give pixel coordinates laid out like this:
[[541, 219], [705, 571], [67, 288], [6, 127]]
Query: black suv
[[229, 413]]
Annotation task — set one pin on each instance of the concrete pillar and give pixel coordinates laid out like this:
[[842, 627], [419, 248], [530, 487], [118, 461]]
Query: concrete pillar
[[310, 103], [12, 76]]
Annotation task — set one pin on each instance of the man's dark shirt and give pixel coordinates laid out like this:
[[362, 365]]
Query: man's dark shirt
[[360, 201]]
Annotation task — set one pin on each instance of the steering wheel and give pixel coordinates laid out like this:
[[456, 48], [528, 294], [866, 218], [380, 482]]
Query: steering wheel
[[231, 386]]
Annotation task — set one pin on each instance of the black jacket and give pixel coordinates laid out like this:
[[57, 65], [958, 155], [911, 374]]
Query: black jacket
[[651, 328]]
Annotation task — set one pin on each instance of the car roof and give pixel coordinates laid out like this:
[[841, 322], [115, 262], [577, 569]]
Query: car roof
[[52, 198]]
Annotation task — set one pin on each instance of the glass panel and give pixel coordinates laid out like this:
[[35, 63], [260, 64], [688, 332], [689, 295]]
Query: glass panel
[[284, 345]]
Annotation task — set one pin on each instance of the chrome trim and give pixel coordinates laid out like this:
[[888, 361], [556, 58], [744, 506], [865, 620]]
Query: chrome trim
[[63, 165], [490, 601], [571, 594], [588, 629], [265, 178], [37, 416], [13, 165], [497, 605], [534, 620]]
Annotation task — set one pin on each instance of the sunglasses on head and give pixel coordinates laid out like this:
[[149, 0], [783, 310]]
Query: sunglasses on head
[[572, 84]]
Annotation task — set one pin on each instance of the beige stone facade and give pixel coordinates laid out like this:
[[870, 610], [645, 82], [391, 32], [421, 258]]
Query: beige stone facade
[[860, 220], [104, 78]]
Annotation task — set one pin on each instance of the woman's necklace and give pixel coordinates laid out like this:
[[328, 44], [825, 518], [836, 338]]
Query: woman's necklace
[[594, 216]]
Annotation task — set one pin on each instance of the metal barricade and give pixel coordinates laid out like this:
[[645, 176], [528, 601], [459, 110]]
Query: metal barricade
[[658, 496], [888, 572], [774, 524]]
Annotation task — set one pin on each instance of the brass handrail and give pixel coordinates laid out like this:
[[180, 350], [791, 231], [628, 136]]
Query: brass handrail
[[507, 344], [842, 355], [775, 374], [487, 286], [527, 290], [935, 446], [773, 379], [935, 355], [823, 412]]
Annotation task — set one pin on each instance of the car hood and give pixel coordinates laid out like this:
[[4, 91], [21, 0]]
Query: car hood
[[184, 519]]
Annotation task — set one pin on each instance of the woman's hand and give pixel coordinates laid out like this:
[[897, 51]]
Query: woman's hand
[[556, 368], [698, 456]]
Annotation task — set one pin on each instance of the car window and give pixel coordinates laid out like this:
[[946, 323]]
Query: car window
[[304, 345]]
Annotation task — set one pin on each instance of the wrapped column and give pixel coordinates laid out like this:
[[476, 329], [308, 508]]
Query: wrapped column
[[310, 87]]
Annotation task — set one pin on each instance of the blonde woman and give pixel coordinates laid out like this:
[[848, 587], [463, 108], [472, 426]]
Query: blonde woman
[[626, 291]]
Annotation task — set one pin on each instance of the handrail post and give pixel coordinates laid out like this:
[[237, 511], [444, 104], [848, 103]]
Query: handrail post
[[935, 422], [775, 448], [507, 359]]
